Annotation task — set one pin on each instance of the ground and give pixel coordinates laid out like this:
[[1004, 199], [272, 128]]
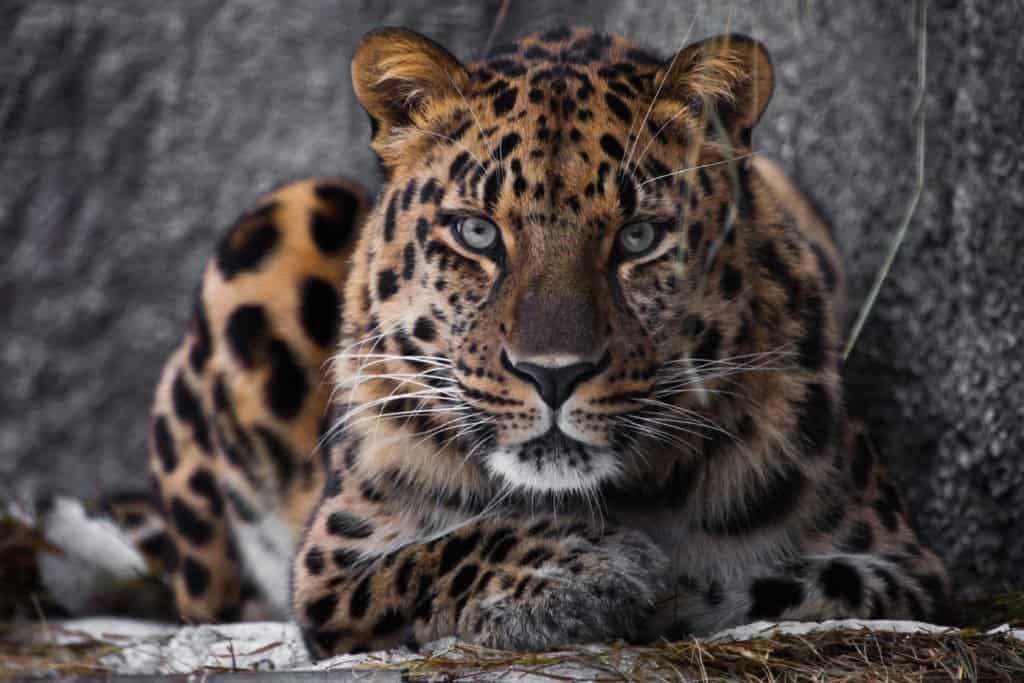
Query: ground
[[851, 650]]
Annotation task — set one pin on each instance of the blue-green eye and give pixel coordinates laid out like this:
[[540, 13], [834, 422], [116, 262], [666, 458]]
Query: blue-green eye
[[636, 238], [476, 233]]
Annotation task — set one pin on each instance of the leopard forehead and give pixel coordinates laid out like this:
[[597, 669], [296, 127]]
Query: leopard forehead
[[558, 117]]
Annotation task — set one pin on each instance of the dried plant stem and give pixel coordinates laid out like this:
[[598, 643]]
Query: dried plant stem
[[897, 241]]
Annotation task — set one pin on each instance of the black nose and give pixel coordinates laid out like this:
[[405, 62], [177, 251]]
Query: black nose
[[555, 383]]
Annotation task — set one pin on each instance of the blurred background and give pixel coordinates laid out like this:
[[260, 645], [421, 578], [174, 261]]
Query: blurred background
[[132, 133]]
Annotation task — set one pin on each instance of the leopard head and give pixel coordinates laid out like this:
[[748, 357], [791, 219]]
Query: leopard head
[[553, 259]]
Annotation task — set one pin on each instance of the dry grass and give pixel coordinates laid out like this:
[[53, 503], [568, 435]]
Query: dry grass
[[833, 655]]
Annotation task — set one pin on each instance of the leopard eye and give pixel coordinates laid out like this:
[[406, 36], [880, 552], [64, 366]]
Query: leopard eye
[[476, 233], [637, 238]]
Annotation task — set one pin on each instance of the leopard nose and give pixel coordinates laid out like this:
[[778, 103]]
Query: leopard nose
[[555, 383]]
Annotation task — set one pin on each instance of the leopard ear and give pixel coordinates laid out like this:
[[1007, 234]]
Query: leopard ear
[[728, 76], [397, 73]]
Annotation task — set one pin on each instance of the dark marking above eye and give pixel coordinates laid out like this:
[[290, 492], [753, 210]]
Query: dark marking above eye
[[772, 596], [492, 188], [504, 101], [626, 194], [246, 246], [387, 284], [163, 444], [197, 577], [428, 190], [320, 311], [287, 385], [422, 228], [246, 329], [458, 166], [619, 108], [191, 526], [611, 146], [189, 411]]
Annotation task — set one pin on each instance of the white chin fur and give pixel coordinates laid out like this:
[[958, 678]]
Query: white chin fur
[[553, 475]]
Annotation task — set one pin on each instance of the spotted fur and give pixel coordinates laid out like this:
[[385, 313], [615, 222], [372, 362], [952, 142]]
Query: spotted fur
[[551, 439]]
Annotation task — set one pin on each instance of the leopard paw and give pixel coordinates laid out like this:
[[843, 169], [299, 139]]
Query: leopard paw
[[595, 590]]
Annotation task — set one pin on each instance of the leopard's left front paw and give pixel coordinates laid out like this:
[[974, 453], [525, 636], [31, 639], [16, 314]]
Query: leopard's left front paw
[[595, 591]]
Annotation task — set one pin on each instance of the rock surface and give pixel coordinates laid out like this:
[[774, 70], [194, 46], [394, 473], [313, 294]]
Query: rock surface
[[129, 139]]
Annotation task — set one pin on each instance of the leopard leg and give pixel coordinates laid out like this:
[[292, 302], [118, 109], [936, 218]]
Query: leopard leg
[[809, 588], [201, 560], [870, 566], [239, 409], [362, 580]]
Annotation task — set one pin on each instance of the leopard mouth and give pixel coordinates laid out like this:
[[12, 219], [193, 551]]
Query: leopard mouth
[[554, 461], [554, 444]]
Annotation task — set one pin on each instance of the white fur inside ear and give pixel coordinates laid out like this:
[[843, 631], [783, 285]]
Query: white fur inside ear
[[94, 554]]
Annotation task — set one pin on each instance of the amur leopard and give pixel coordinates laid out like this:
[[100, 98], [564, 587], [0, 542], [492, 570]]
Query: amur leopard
[[573, 376]]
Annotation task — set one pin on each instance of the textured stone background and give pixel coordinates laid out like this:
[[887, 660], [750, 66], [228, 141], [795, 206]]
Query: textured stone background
[[131, 133]]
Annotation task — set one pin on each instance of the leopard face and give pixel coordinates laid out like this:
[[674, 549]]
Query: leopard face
[[554, 255]]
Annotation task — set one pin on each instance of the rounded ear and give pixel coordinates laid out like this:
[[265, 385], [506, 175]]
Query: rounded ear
[[730, 73], [397, 72]]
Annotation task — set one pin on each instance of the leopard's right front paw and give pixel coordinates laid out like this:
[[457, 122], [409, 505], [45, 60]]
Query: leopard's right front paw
[[591, 591]]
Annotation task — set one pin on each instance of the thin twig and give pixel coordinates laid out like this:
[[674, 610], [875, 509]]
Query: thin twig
[[894, 247], [499, 22]]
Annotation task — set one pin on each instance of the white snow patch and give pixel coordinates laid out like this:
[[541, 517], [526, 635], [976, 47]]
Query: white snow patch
[[95, 553]]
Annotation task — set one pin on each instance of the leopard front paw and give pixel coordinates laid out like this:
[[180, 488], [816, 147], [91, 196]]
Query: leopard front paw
[[591, 591]]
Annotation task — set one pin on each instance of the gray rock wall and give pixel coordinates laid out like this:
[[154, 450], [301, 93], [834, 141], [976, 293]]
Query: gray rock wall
[[132, 133]]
